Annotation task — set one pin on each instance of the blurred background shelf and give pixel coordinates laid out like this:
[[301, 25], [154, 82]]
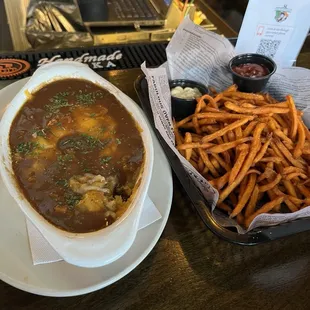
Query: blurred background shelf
[[14, 13], [221, 16]]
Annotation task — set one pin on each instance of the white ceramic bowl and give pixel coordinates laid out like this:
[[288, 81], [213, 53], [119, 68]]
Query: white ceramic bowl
[[82, 249]]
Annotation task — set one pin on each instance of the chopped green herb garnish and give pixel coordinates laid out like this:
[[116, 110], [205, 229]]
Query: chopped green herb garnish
[[88, 98], [26, 148], [63, 94], [91, 141], [105, 160], [72, 198], [92, 115], [113, 132], [94, 142], [83, 142], [118, 141], [63, 159], [99, 94], [86, 170], [85, 99], [57, 102], [41, 132], [63, 183], [102, 129]]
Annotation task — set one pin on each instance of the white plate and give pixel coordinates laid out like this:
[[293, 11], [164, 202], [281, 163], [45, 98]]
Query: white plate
[[62, 279]]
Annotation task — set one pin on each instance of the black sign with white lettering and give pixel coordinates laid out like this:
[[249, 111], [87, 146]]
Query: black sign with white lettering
[[101, 58]]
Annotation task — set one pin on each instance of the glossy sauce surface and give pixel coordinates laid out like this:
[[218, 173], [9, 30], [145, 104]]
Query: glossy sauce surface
[[251, 70], [77, 155]]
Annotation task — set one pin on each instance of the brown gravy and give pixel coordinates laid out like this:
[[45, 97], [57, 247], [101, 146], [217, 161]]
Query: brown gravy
[[77, 154]]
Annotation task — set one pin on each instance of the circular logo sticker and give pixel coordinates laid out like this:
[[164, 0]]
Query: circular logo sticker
[[13, 67]]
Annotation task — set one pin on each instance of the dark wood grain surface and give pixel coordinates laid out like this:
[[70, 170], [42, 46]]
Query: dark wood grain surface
[[190, 268]]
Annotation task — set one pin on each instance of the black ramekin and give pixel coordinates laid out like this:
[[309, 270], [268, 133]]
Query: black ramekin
[[182, 108], [248, 84]]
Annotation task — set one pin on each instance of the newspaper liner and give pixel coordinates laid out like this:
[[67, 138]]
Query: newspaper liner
[[200, 55]]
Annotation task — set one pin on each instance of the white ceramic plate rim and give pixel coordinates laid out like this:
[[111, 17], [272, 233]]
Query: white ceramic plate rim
[[13, 88]]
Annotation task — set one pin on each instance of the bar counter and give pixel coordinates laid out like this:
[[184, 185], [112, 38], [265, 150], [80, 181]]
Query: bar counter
[[190, 268]]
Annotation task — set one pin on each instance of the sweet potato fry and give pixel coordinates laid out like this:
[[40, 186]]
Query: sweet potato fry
[[247, 164], [226, 129], [280, 121], [295, 175], [227, 146], [276, 152], [264, 209], [201, 165], [233, 88], [268, 173], [222, 163], [262, 151], [222, 181], [205, 170], [307, 132], [195, 145], [287, 154], [206, 121], [245, 196], [291, 169], [295, 200], [243, 151], [215, 164], [194, 164], [253, 171], [188, 152], [208, 163], [303, 189], [283, 136], [231, 136], [250, 127], [290, 205], [242, 186], [271, 159], [196, 124], [248, 105], [250, 208], [260, 110], [221, 116], [294, 117], [270, 185], [184, 121], [210, 99], [301, 140], [289, 187], [241, 95], [238, 133]]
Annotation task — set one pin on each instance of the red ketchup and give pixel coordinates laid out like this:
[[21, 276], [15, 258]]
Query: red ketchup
[[251, 70]]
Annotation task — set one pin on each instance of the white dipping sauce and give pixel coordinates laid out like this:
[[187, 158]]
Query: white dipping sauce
[[185, 93]]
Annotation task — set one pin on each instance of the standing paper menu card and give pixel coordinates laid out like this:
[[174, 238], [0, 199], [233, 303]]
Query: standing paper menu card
[[275, 28]]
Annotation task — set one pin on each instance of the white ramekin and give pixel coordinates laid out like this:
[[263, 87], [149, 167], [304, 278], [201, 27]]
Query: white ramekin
[[82, 249]]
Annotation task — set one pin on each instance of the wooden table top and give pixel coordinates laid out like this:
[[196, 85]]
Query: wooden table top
[[190, 268]]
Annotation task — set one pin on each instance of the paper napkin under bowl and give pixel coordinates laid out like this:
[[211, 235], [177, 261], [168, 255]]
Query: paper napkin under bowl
[[43, 253]]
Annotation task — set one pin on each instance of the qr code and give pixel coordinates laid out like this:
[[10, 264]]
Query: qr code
[[268, 47]]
